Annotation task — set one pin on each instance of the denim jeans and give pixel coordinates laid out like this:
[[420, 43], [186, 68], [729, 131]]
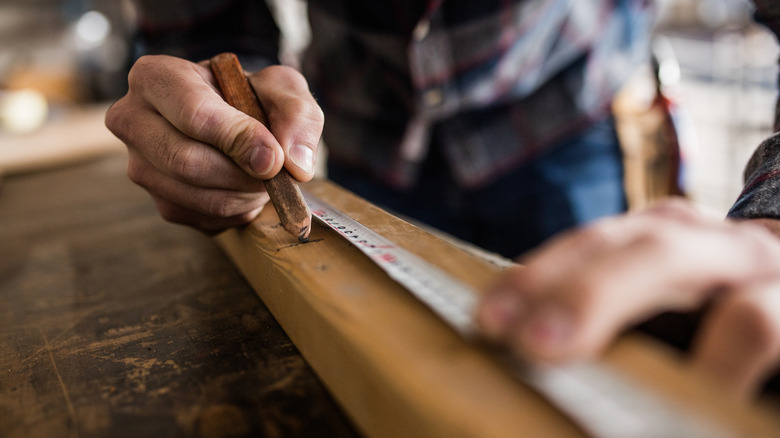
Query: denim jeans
[[572, 183]]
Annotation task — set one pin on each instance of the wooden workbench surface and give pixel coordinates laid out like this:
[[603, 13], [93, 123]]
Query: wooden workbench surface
[[114, 323]]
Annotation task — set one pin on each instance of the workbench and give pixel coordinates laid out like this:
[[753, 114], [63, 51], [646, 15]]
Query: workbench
[[115, 323]]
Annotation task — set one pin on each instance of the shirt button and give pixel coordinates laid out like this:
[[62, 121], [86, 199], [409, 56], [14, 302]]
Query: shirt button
[[433, 97], [421, 30]]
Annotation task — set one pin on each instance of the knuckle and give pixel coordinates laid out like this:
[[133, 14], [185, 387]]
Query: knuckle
[[662, 242], [303, 109], [195, 113], [599, 234], [144, 67], [118, 118], [596, 233], [223, 206], [296, 100], [151, 69], [113, 114], [169, 213], [285, 75], [238, 139], [672, 204], [232, 132], [136, 172], [245, 218], [186, 163], [175, 214], [215, 225], [680, 210]]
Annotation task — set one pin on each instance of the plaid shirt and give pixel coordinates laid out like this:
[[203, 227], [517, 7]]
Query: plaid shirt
[[495, 81]]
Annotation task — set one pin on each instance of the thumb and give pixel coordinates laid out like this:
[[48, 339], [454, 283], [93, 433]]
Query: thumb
[[246, 141], [236, 91]]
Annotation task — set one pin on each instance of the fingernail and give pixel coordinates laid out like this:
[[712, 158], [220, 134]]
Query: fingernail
[[303, 157], [261, 160], [499, 312], [547, 333]]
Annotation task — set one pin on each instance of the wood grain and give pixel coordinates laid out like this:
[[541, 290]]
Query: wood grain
[[283, 190], [114, 323], [394, 366]]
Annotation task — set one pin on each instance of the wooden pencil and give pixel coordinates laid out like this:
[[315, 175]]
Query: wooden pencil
[[283, 190]]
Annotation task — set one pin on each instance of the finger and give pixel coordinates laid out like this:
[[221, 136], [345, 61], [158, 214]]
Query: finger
[[739, 345], [216, 203], [610, 233], [176, 155], [293, 115], [184, 94], [577, 313], [208, 224], [573, 309], [507, 300]]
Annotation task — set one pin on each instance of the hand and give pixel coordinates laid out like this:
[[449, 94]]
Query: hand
[[575, 294], [202, 160]]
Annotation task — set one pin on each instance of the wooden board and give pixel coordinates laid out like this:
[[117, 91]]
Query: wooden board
[[397, 369]]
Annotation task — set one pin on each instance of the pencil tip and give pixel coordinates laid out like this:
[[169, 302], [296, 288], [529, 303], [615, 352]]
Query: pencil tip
[[303, 236]]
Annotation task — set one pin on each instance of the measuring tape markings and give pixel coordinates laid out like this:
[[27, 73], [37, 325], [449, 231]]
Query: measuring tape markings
[[451, 300]]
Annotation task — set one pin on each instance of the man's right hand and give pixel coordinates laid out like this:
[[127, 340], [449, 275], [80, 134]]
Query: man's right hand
[[202, 160]]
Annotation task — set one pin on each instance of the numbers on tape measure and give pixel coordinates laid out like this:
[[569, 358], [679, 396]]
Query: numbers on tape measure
[[453, 301]]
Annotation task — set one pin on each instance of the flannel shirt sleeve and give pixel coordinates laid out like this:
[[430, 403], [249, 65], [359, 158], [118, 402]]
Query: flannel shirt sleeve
[[199, 29], [760, 198]]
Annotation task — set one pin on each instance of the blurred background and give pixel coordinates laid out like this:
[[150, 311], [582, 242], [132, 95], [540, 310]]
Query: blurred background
[[70, 51], [723, 76], [63, 61]]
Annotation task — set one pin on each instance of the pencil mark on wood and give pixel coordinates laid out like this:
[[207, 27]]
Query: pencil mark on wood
[[293, 245]]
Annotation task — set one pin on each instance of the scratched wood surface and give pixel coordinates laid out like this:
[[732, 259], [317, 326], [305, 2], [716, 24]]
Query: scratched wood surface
[[114, 323]]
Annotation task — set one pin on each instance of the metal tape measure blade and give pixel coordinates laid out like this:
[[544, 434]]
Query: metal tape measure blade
[[452, 300]]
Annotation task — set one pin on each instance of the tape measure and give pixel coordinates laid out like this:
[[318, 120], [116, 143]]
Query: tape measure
[[599, 399], [451, 300]]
